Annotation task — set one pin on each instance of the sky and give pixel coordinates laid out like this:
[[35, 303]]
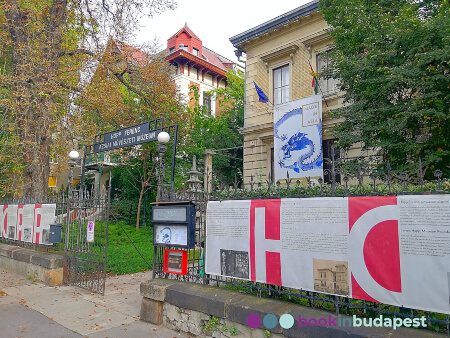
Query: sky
[[214, 22]]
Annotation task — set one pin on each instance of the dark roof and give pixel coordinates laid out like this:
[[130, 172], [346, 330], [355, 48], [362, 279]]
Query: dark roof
[[279, 21], [132, 53], [222, 59]]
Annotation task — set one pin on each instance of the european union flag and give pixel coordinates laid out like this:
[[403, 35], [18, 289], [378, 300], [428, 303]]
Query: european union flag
[[262, 97]]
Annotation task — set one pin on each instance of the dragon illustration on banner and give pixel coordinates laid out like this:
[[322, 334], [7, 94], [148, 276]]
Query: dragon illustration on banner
[[301, 151]]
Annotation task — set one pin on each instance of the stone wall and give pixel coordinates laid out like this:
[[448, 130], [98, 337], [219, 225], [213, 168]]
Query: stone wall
[[208, 311], [36, 265]]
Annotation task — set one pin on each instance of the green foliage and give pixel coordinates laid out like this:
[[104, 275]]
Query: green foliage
[[234, 331], [50, 98], [123, 257], [267, 334], [380, 189], [220, 132], [135, 176], [213, 325], [124, 210], [391, 58]]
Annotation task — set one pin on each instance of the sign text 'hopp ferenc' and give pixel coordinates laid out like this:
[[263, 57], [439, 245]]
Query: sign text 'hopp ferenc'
[[125, 137]]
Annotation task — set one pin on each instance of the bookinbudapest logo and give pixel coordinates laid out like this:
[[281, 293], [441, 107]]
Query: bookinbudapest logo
[[287, 321]]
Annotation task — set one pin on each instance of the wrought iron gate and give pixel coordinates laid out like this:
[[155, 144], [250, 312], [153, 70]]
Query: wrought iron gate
[[85, 257]]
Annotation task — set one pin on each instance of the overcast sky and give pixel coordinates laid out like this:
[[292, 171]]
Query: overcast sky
[[214, 22]]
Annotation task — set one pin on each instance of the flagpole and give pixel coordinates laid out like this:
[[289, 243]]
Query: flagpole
[[316, 81]]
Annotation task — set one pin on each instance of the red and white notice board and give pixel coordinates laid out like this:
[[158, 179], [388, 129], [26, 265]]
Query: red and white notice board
[[389, 249], [27, 222]]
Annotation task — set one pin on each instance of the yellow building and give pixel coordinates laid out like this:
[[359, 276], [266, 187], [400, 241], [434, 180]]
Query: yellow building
[[281, 56]]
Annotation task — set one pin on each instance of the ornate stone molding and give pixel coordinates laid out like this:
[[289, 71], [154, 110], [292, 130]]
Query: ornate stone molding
[[288, 50], [315, 39]]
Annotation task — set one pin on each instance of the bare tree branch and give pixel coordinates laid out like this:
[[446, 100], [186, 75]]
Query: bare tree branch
[[75, 52], [142, 95]]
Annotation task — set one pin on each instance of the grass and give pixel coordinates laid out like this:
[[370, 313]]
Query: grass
[[123, 258]]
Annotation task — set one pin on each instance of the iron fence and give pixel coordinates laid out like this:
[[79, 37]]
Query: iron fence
[[85, 255], [60, 200], [84, 260], [338, 181]]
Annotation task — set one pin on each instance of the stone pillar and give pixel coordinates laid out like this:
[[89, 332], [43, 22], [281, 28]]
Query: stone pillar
[[194, 184], [207, 177]]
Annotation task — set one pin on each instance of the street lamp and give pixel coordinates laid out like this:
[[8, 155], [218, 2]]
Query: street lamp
[[73, 157], [163, 138]]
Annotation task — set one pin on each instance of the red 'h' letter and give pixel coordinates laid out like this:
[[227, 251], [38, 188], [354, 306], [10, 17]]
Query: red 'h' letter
[[272, 232]]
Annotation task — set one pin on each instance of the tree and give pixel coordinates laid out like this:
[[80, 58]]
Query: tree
[[391, 58], [130, 86], [137, 177], [47, 45], [220, 132]]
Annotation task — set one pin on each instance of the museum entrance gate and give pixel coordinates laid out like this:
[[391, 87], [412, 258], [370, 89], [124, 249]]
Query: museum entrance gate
[[86, 240]]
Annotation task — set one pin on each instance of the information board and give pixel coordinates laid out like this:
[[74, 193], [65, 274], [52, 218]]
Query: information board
[[174, 224], [169, 214], [175, 261], [390, 249], [171, 234], [27, 222]]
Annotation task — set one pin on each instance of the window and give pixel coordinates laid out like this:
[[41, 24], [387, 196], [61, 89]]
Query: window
[[171, 49], [207, 102], [326, 86], [183, 47], [52, 181], [195, 51], [281, 84]]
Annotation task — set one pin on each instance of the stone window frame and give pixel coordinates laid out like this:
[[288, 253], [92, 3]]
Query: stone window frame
[[283, 56], [335, 90], [281, 87]]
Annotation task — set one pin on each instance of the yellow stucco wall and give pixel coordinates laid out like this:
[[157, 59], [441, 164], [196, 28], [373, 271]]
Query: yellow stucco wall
[[297, 45]]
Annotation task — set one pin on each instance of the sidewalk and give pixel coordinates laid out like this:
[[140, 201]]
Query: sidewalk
[[31, 310]]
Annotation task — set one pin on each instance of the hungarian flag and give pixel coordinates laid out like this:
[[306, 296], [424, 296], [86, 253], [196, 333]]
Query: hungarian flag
[[314, 80]]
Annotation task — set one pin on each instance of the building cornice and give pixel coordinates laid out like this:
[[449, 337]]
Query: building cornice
[[197, 62], [289, 50], [316, 38], [263, 127], [276, 23]]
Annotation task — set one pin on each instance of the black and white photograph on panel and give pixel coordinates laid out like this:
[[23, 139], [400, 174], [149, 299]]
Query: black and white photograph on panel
[[234, 263]]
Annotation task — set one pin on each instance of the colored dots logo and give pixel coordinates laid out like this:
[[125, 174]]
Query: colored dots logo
[[270, 321], [286, 321], [253, 321]]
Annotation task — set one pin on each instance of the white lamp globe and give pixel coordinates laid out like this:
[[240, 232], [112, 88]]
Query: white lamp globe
[[74, 155], [163, 137]]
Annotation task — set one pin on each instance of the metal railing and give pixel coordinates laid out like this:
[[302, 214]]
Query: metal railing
[[338, 181], [60, 200]]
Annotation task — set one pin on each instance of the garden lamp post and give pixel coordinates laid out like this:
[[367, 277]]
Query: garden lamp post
[[73, 157], [161, 148]]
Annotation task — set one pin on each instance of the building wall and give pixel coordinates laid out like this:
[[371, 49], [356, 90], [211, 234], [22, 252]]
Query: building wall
[[186, 40], [296, 45], [61, 177], [185, 79]]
